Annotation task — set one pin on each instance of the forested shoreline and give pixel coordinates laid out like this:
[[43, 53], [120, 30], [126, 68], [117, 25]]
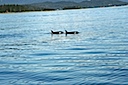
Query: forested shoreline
[[28, 8]]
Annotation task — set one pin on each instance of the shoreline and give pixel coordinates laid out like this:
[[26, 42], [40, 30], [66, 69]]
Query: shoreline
[[70, 8]]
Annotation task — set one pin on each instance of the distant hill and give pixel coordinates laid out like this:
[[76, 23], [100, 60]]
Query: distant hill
[[61, 5], [39, 1], [55, 5], [83, 4], [31, 1]]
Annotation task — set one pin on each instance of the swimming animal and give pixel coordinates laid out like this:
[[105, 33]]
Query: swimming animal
[[57, 32], [72, 32]]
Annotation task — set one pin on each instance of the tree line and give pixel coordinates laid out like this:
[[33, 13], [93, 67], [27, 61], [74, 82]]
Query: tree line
[[26, 8], [21, 8]]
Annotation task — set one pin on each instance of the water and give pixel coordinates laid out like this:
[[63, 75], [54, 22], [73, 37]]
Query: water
[[30, 55]]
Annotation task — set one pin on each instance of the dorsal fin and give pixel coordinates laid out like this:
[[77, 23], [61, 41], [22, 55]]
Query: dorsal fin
[[51, 31]]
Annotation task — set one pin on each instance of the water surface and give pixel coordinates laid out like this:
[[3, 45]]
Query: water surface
[[30, 55]]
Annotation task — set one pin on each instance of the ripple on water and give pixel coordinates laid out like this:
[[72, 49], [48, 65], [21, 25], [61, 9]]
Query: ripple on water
[[11, 35], [44, 54]]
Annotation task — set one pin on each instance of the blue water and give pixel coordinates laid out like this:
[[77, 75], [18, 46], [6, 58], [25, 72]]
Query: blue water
[[98, 55]]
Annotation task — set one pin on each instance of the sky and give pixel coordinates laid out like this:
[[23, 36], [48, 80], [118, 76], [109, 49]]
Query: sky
[[124, 0], [31, 1]]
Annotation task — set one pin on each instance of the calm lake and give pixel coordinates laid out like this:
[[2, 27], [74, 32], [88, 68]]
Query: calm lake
[[98, 55]]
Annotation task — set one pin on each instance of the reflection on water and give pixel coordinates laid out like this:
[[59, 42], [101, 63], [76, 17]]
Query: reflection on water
[[30, 55]]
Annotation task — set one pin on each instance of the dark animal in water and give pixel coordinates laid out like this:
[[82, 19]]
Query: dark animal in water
[[72, 32], [57, 32]]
